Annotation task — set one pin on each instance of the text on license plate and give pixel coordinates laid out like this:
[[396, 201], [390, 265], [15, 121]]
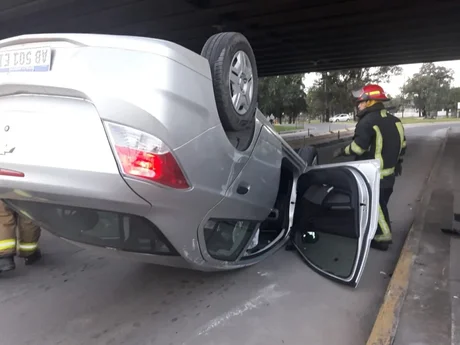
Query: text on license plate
[[26, 60]]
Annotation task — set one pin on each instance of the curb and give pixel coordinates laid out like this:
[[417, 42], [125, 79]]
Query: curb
[[386, 323]]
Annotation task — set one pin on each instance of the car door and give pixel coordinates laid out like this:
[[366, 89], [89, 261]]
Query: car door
[[336, 217], [248, 201]]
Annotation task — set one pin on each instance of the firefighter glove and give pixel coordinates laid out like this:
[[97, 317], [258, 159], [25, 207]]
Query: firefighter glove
[[398, 168], [339, 152]]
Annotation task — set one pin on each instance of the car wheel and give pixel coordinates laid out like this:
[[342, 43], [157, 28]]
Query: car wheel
[[309, 154], [234, 77]]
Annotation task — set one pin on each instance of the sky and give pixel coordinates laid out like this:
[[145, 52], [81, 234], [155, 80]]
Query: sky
[[396, 82]]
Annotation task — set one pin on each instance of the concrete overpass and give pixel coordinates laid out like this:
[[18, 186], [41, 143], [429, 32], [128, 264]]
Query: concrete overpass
[[288, 36]]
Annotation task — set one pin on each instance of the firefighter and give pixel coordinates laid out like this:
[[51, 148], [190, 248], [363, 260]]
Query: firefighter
[[25, 243], [378, 135]]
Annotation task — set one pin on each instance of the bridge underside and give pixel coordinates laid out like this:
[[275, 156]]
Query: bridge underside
[[288, 36]]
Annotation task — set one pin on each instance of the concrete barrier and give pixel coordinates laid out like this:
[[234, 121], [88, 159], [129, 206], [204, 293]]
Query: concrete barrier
[[336, 136]]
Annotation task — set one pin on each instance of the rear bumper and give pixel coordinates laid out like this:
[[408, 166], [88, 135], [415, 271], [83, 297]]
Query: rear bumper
[[170, 261], [73, 188]]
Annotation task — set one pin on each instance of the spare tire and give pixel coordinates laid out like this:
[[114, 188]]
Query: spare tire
[[234, 78]]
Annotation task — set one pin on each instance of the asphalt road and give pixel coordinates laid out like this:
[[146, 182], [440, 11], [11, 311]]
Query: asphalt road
[[76, 296]]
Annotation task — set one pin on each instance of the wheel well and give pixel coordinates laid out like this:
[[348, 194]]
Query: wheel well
[[241, 140]]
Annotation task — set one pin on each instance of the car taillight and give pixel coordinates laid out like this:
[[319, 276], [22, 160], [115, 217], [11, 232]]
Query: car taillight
[[144, 156]]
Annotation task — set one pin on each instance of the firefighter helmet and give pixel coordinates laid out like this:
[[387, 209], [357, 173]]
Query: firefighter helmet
[[370, 92]]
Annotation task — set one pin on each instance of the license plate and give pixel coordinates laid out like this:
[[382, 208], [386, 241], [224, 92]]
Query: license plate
[[26, 60]]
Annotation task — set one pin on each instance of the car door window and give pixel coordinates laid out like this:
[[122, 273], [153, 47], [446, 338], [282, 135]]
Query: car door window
[[335, 218]]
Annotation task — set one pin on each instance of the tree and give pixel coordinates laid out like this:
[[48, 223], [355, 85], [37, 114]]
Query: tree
[[399, 103], [331, 93], [396, 103], [282, 95], [429, 88], [453, 100]]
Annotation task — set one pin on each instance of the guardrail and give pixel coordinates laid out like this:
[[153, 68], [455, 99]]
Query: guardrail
[[320, 140]]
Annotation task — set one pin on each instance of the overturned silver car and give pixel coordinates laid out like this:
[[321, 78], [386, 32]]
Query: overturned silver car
[[143, 148]]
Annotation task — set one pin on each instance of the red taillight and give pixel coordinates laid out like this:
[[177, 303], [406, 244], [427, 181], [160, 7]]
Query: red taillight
[[8, 172], [145, 156]]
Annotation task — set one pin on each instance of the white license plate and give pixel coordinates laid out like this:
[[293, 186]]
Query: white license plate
[[26, 60]]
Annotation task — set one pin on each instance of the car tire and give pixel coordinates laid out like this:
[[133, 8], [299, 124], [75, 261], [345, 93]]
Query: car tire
[[309, 154], [235, 88]]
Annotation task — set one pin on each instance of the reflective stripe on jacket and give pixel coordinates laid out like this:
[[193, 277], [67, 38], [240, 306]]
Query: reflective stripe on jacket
[[379, 135]]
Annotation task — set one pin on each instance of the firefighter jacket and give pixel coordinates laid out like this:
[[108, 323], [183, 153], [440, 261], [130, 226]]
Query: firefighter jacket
[[379, 135]]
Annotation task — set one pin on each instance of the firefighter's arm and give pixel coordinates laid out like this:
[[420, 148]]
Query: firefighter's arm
[[361, 140], [402, 134], [402, 137], [403, 146]]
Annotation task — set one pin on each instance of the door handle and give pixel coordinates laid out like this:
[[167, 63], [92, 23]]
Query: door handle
[[243, 188]]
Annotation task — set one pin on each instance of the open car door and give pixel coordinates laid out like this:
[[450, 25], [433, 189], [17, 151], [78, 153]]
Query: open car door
[[336, 217]]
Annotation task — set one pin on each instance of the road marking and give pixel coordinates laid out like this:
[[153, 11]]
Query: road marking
[[386, 323], [267, 294]]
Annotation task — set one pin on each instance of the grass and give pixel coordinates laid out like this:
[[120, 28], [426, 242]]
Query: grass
[[421, 120], [283, 128], [292, 127]]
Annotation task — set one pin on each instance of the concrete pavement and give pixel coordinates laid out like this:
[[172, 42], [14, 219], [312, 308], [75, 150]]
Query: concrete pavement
[[431, 312], [77, 297]]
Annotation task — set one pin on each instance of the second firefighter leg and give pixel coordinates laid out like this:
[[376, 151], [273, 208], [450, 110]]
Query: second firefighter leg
[[383, 238], [7, 238], [28, 236]]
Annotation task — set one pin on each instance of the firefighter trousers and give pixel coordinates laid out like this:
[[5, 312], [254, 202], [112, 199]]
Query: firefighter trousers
[[25, 242], [383, 233]]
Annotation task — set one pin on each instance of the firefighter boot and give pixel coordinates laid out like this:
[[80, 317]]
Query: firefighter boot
[[380, 245], [289, 246], [33, 258], [7, 263]]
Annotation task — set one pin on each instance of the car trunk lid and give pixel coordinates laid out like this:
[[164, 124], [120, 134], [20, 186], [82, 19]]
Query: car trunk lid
[[60, 145]]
